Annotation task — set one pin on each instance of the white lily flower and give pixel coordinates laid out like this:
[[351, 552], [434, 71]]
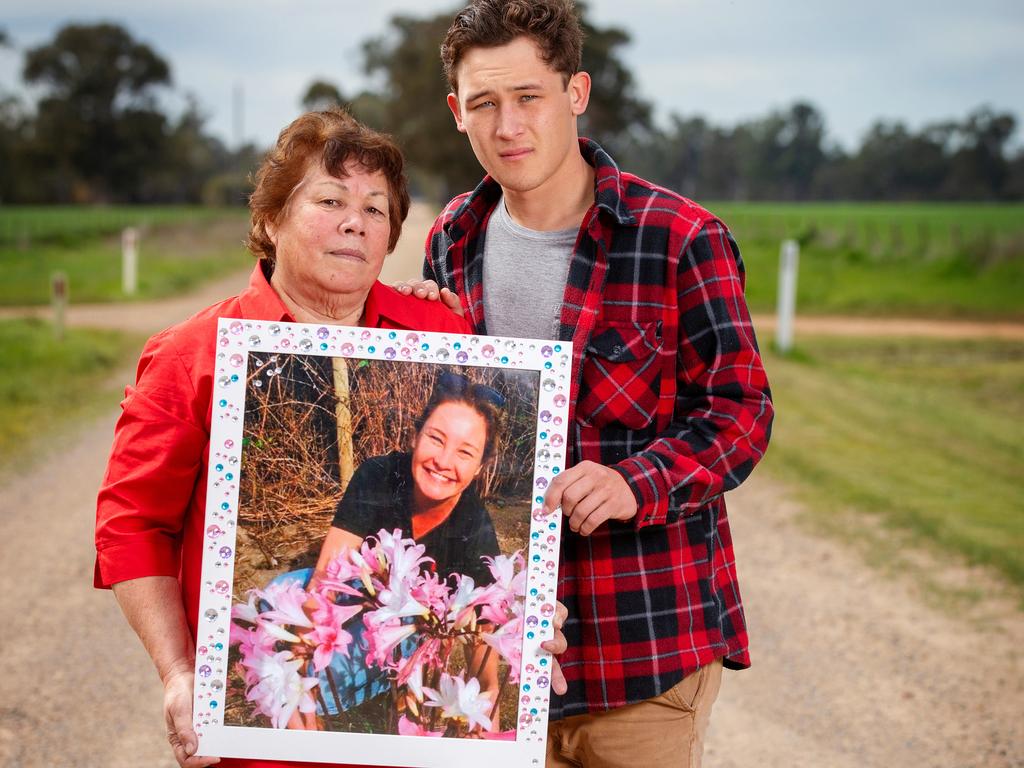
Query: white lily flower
[[461, 700], [279, 632]]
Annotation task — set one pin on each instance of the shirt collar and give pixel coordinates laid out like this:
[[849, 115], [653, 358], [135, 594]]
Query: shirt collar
[[609, 186], [373, 307], [385, 307], [259, 299], [609, 194]]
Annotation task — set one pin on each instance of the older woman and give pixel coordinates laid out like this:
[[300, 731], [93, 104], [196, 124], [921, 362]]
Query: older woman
[[328, 206]]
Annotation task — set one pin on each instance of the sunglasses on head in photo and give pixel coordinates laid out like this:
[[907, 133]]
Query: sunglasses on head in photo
[[458, 384]]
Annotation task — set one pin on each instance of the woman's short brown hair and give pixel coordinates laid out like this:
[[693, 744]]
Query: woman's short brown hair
[[552, 24], [331, 138]]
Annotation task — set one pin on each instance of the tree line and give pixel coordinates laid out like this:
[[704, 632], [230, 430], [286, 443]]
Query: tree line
[[98, 134], [786, 156]]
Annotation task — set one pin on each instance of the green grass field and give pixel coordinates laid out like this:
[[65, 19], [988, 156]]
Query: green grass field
[[175, 254], [27, 226], [48, 385], [931, 260], [917, 436], [901, 259]]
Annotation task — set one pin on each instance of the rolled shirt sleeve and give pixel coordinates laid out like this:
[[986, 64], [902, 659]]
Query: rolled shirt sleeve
[[156, 461]]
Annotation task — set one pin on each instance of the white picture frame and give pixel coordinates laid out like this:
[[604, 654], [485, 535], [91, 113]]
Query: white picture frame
[[250, 353]]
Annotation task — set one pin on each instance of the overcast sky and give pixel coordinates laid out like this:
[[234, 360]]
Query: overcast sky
[[913, 60]]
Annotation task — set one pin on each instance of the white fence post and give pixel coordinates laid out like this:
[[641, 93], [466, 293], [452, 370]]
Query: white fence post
[[129, 260], [789, 260]]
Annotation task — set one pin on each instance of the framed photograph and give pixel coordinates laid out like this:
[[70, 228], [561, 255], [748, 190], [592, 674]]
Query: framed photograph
[[379, 571]]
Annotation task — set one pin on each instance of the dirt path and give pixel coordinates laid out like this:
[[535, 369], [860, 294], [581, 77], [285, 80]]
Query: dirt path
[[813, 325], [852, 666]]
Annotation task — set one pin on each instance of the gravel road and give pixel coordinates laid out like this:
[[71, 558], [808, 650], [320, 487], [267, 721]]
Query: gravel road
[[853, 666]]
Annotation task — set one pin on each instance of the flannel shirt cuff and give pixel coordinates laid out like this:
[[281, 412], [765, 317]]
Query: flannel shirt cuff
[[649, 488]]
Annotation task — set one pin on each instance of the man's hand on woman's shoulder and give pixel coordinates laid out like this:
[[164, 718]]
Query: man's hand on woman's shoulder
[[427, 289]]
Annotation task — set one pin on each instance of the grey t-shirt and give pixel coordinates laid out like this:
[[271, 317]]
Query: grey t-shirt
[[524, 277]]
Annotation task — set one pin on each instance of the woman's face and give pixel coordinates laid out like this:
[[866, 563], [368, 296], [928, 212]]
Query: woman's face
[[448, 452], [332, 237]]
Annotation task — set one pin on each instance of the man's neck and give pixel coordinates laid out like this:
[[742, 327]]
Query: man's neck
[[559, 204]]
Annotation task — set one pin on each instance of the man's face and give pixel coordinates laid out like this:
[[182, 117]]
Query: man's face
[[519, 115]]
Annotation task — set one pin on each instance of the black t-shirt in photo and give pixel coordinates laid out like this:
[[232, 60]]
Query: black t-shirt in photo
[[379, 495]]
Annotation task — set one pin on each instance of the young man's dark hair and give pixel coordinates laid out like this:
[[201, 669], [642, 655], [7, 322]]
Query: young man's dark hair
[[552, 24]]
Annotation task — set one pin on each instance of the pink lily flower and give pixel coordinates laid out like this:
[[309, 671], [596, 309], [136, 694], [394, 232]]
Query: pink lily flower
[[508, 642], [508, 571], [281, 690], [328, 635], [407, 727], [431, 591], [405, 557], [330, 613], [286, 602], [255, 645], [339, 572], [382, 639], [508, 592], [397, 602], [462, 603], [328, 641], [494, 605]]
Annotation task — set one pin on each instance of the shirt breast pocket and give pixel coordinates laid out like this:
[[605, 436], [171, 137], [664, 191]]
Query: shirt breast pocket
[[621, 375]]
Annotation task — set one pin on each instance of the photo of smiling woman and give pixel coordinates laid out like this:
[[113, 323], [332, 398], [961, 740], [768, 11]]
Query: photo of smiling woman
[[384, 515], [429, 493]]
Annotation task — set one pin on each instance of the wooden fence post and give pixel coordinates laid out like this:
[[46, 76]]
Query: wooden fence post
[[59, 301]]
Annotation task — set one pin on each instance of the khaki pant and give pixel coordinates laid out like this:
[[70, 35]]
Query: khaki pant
[[664, 732]]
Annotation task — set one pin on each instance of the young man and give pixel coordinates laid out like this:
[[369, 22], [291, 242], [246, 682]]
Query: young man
[[670, 404]]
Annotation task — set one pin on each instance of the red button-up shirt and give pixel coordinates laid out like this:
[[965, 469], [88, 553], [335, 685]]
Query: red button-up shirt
[[669, 391], [152, 503]]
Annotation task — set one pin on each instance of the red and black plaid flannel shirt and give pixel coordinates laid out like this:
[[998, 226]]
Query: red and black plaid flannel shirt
[[669, 390]]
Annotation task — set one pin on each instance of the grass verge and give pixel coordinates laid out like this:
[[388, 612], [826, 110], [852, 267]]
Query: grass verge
[[901, 259], [173, 258], [912, 436], [844, 280], [49, 384]]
